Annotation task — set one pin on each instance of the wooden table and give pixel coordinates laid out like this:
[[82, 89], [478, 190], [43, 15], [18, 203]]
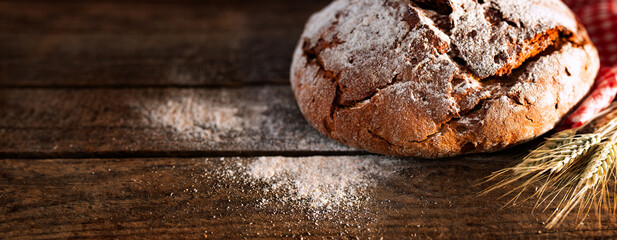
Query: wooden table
[[175, 119]]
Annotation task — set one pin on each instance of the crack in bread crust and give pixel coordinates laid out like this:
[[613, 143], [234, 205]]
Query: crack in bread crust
[[377, 136], [564, 37], [536, 46]]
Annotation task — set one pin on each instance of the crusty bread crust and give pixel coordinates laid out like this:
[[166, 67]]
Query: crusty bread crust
[[437, 78]]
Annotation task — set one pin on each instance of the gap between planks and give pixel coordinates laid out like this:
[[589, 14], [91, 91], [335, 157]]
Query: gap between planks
[[174, 154], [213, 85]]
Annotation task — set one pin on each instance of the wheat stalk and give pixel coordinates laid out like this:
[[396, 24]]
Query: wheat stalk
[[573, 170]]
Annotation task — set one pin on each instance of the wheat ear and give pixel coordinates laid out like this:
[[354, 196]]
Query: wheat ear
[[573, 170], [551, 157], [590, 188]]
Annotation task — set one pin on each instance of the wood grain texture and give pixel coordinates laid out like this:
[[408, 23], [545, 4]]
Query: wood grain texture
[[143, 43], [49, 122], [187, 198]]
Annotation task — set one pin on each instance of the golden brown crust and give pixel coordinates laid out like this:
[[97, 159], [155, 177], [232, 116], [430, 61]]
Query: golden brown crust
[[418, 79]]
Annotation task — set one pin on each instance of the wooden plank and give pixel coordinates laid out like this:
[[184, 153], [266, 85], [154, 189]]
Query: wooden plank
[[129, 43], [233, 198], [79, 122]]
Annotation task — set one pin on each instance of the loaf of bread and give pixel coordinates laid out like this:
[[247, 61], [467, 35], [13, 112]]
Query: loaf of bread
[[443, 77]]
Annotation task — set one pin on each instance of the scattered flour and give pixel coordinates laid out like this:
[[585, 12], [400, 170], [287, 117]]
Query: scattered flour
[[193, 116], [186, 115], [321, 183]]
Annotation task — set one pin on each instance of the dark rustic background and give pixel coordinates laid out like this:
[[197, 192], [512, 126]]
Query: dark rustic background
[[121, 119]]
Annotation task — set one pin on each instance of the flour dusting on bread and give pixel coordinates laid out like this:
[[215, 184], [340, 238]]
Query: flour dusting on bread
[[436, 78]]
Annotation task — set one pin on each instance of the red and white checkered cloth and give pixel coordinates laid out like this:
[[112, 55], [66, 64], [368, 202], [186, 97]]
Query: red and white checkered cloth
[[600, 19]]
